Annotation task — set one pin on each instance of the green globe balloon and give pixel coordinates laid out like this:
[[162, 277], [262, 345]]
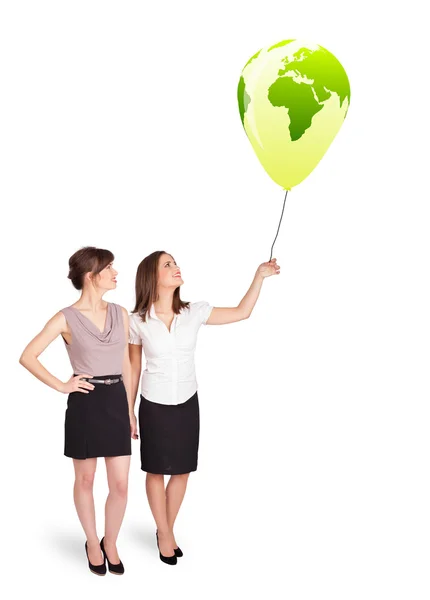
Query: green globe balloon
[[293, 98]]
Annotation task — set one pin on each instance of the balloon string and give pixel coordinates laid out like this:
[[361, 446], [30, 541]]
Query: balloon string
[[271, 251]]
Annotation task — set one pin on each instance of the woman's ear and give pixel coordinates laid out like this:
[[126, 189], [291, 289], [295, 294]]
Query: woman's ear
[[90, 278]]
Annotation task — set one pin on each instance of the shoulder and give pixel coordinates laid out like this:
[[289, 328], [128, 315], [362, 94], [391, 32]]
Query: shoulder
[[122, 310], [115, 306], [58, 322], [63, 315], [135, 319], [200, 311], [197, 306], [60, 316], [136, 329], [124, 314], [118, 309]]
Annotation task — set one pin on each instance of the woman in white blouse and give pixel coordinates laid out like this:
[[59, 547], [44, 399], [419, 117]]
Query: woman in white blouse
[[166, 327]]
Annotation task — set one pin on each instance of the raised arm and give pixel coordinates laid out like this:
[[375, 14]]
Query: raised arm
[[222, 316], [128, 380], [30, 358]]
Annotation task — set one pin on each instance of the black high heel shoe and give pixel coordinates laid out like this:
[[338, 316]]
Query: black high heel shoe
[[169, 560], [178, 552], [117, 569], [96, 569]]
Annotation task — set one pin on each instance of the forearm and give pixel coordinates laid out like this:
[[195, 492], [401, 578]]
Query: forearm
[[134, 355], [134, 386], [249, 300], [128, 384], [32, 364]]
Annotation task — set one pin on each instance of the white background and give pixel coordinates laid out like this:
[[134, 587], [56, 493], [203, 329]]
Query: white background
[[120, 129]]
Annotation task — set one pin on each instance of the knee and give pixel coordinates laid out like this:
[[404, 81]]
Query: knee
[[85, 481], [150, 477], [119, 488], [182, 478], [154, 481]]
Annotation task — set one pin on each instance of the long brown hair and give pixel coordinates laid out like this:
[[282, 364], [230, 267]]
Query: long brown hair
[[146, 286], [87, 260]]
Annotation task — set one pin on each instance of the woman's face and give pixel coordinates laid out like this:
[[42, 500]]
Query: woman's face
[[169, 274], [106, 279]]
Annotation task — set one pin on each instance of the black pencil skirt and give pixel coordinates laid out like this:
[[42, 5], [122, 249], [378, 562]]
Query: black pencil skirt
[[169, 436], [98, 423]]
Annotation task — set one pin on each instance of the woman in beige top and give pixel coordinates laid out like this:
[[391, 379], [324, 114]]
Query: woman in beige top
[[99, 421]]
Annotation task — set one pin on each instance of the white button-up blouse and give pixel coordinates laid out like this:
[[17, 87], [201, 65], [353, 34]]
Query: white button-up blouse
[[169, 376]]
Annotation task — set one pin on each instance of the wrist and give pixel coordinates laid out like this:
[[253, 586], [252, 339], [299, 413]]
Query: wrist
[[60, 385]]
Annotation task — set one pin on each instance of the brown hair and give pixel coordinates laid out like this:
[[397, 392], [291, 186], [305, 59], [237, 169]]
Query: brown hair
[[87, 260], [146, 286]]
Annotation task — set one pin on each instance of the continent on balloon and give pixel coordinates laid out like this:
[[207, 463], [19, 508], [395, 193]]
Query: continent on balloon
[[293, 98]]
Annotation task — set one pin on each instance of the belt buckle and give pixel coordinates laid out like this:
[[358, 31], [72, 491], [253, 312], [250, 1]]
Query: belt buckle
[[108, 381]]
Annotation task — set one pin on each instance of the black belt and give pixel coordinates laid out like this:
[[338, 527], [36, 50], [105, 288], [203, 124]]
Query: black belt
[[105, 381]]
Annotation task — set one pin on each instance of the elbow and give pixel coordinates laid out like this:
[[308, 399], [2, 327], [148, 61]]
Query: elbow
[[26, 359], [135, 369], [242, 313]]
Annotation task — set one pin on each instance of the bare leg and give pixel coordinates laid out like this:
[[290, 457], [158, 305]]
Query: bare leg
[[157, 501], [175, 492], [85, 470], [117, 468]]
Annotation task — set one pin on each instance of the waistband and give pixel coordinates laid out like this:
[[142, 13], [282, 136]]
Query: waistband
[[104, 379]]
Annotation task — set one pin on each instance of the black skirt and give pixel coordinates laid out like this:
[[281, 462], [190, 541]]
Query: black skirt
[[169, 436], [98, 423]]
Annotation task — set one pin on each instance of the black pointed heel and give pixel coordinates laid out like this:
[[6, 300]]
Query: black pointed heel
[[96, 569], [117, 569], [178, 552], [169, 560]]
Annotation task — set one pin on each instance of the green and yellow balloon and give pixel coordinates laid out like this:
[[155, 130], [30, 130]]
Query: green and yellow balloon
[[293, 98]]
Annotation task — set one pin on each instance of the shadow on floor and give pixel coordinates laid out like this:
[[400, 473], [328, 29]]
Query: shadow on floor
[[70, 545], [144, 536]]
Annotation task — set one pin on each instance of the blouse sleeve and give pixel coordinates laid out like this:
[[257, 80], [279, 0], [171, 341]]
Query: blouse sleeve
[[134, 333], [203, 309]]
